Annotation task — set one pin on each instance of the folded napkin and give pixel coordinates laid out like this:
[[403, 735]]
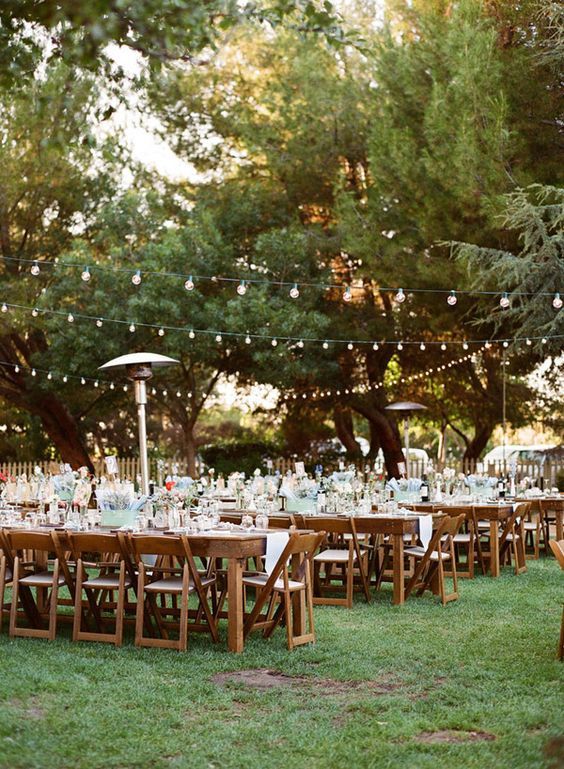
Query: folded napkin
[[392, 484], [276, 541], [425, 529]]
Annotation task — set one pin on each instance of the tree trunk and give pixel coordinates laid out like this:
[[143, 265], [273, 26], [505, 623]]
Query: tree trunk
[[62, 428], [344, 428], [387, 432], [375, 444], [479, 442]]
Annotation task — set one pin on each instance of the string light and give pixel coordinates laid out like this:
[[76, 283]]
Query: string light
[[528, 342], [347, 294], [465, 345], [274, 343], [33, 372], [375, 346], [325, 345], [191, 334], [294, 291], [247, 339], [35, 269], [400, 296], [85, 275], [242, 288], [136, 278], [300, 343], [400, 346], [35, 312], [4, 307], [218, 338], [443, 347], [422, 346], [189, 284], [132, 328], [65, 379], [350, 346], [82, 380], [70, 317], [49, 375], [557, 301], [161, 332], [504, 301], [17, 369], [99, 322], [452, 299]]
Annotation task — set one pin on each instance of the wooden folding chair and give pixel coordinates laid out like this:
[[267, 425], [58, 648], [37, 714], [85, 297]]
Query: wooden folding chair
[[6, 567], [512, 538], [34, 572], [164, 579], [552, 515], [288, 589], [109, 557], [467, 540], [430, 570], [557, 548], [342, 551]]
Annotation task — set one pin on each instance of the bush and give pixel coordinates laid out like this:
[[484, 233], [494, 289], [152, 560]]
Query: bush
[[239, 456]]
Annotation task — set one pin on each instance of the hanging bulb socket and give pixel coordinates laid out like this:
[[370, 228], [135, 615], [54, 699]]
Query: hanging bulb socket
[[35, 269], [136, 278], [86, 275], [294, 291], [189, 284], [400, 296], [242, 288], [347, 294], [452, 299], [557, 301], [504, 301]]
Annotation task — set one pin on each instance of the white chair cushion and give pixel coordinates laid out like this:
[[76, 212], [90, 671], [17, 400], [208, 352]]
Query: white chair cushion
[[333, 556], [260, 580], [419, 552]]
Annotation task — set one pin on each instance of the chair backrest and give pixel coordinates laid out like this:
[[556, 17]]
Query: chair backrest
[[451, 524], [21, 539], [151, 544], [557, 548], [86, 542]]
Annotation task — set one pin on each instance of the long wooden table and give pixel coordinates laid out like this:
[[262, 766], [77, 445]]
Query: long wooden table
[[494, 513], [234, 547]]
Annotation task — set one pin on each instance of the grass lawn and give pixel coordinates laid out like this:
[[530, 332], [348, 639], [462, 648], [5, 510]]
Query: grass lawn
[[377, 682]]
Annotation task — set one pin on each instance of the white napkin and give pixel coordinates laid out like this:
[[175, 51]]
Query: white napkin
[[276, 541], [425, 529]]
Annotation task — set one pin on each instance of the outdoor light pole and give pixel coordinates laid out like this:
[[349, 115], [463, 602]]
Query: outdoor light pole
[[406, 408], [139, 368]]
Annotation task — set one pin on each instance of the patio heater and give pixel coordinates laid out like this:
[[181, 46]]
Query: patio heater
[[406, 408], [139, 368]]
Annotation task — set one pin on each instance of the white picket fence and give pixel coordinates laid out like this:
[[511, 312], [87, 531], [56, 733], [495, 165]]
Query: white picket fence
[[129, 467]]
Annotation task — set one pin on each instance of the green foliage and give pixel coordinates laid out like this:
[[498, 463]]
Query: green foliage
[[239, 456]]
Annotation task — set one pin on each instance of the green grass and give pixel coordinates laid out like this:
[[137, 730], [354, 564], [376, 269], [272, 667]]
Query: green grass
[[485, 663]]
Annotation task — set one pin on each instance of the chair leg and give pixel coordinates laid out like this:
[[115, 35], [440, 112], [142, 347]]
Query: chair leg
[[140, 608], [53, 604], [120, 605], [15, 592], [561, 645], [2, 587], [289, 622]]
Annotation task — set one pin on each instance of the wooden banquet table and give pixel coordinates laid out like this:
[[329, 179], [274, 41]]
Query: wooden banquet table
[[234, 547], [494, 513], [394, 526]]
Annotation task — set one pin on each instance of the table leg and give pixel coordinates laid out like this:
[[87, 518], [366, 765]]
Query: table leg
[[559, 525], [235, 640], [399, 588], [494, 548]]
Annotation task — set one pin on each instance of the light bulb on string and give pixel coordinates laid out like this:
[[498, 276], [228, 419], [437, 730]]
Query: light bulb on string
[[274, 343], [557, 301], [16, 369], [49, 375], [33, 372], [161, 332], [242, 288], [99, 322], [153, 391], [300, 344], [422, 346], [443, 347], [452, 299], [347, 294], [178, 394], [528, 342], [35, 269], [125, 388], [506, 343], [4, 307], [375, 346], [136, 278], [191, 334], [350, 346], [82, 380], [400, 346], [70, 317], [35, 312], [294, 291], [189, 284], [247, 339], [465, 345], [165, 393], [96, 383], [544, 340], [132, 328], [487, 345], [325, 345], [400, 296], [218, 338], [504, 301], [86, 275], [112, 386], [65, 379]]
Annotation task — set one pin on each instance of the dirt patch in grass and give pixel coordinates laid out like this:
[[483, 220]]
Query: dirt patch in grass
[[265, 679], [453, 736], [554, 751], [31, 708]]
